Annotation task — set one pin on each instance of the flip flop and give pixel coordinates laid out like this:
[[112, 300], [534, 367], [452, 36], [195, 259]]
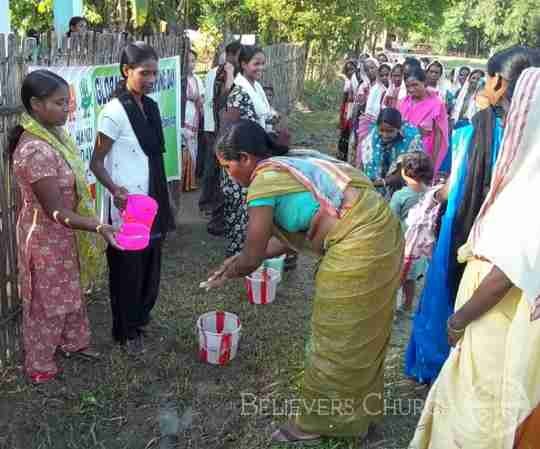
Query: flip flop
[[285, 434]]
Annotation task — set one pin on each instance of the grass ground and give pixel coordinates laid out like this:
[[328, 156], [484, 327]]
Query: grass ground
[[125, 403]]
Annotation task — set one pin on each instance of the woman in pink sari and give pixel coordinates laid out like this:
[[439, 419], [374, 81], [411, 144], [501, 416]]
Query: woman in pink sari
[[424, 109]]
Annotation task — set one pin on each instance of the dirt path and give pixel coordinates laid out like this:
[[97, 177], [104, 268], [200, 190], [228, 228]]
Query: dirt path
[[122, 403]]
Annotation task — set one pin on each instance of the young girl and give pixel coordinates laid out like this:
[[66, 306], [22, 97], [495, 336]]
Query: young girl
[[417, 171], [55, 263], [128, 158]]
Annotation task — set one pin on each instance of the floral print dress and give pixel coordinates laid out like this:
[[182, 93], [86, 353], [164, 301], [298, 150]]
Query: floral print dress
[[236, 217], [54, 314]]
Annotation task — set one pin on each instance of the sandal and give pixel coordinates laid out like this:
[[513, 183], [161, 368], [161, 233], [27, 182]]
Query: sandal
[[41, 377], [291, 262], [290, 434], [86, 353]]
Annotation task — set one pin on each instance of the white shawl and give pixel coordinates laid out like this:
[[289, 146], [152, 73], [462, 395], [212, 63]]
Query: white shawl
[[258, 97], [354, 83], [470, 108], [507, 229], [375, 98]]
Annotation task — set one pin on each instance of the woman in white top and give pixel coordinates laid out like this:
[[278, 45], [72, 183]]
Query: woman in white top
[[127, 159], [193, 107], [247, 100]]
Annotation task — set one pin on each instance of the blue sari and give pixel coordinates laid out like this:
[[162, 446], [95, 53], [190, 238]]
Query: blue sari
[[428, 347]]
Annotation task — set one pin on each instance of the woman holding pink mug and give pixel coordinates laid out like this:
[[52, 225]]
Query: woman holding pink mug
[[128, 159]]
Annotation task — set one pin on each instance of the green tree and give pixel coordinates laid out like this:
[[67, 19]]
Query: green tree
[[31, 14]]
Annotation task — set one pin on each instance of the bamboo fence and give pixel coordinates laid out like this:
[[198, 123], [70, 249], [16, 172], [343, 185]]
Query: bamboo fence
[[284, 72]]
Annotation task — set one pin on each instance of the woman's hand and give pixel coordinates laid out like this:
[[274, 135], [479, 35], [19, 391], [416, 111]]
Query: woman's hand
[[229, 70], [455, 329], [275, 119], [219, 277], [120, 195], [108, 233]]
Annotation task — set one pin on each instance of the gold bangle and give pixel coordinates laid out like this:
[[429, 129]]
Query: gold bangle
[[98, 228], [67, 222], [55, 215], [454, 330]]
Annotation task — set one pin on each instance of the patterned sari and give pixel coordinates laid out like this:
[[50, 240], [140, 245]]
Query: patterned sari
[[353, 306], [380, 160]]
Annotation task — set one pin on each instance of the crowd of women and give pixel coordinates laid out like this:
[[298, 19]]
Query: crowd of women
[[446, 162], [480, 283]]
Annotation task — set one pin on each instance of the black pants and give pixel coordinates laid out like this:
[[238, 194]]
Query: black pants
[[134, 287], [343, 144], [202, 150], [211, 198]]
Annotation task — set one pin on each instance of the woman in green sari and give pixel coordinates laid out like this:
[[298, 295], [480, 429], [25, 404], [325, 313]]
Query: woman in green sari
[[303, 200]]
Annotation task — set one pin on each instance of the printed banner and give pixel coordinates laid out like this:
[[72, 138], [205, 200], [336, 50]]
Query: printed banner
[[92, 87]]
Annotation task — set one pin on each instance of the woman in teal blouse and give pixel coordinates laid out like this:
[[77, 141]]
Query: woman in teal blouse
[[382, 150]]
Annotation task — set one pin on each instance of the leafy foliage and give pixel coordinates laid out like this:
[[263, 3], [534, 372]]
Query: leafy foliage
[[475, 27], [31, 14], [330, 27]]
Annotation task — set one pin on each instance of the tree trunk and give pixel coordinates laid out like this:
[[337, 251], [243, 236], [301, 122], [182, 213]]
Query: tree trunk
[[123, 9]]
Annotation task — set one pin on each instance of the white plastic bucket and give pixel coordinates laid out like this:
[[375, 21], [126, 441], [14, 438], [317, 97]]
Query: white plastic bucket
[[219, 334], [277, 263], [261, 286]]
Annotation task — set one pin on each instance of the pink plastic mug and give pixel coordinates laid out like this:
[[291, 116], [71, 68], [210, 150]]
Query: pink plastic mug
[[140, 209], [138, 217], [133, 236]]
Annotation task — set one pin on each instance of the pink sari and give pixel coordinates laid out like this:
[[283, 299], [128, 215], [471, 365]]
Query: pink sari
[[428, 113]]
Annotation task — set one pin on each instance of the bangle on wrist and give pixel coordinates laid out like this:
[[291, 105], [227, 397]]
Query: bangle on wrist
[[55, 216], [99, 227], [453, 330], [67, 222]]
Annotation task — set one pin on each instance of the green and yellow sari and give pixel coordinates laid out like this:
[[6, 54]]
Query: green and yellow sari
[[353, 308]]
